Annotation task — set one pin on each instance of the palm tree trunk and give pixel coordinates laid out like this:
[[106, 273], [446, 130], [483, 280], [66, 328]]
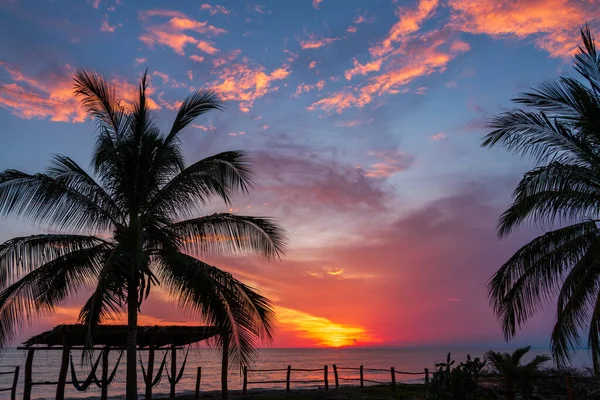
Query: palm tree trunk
[[132, 310]]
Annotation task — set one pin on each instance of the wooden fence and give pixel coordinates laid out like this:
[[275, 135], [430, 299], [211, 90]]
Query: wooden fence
[[288, 380], [361, 370], [13, 387]]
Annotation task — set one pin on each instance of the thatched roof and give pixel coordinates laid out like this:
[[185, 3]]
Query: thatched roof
[[116, 335]]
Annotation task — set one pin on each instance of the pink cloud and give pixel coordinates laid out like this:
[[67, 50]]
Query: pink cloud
[[213, 10], [363, 69], [392, 162], [173, 32], [316, 43], [307, 88], [207, 47], [554, 24], [196, 58], [105, 26], [439, 136], [316, 3], [141, 60]]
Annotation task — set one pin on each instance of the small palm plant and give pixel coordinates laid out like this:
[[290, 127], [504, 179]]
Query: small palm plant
[[517, 376]]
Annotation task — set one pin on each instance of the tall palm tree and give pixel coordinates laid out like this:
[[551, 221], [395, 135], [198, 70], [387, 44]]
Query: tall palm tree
[[517, 375], [132, 225], [561, 132]]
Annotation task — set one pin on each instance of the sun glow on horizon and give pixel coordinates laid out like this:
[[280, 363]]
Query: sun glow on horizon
[[321, 331]]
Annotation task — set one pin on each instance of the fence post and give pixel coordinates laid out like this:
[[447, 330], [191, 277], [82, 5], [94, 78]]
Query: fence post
[[287, 380], [173, 372], [326, 378], [361, 377], [426, 376], [393, 379], [335, 374], [245, 384], [198, 377], [569, 387], [13, 390]]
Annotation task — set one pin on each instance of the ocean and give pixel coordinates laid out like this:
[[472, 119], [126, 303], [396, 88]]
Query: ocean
[[46, 365]]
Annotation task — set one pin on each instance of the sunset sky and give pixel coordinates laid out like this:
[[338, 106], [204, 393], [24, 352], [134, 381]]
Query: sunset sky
[[364, 120]]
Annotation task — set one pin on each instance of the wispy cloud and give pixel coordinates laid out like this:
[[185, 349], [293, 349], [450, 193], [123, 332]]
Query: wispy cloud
[[315, 43], [177, 32], [213, 10], [439, 136], [553, 24], [392, 162], [105, 26]]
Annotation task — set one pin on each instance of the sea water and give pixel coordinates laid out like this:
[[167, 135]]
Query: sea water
[[46, 365]]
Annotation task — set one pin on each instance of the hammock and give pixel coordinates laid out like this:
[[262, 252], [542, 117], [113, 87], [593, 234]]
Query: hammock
[[91, 377], [147, 378], [111, 377], [173, 380]]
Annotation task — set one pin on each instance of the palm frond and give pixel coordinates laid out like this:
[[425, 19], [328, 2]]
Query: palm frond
[[537, 362], [594, 336], [220, 175], [39, 291], [193, 106], [517, 355], [587, 61], [21, 255], [216, 297], [529, 279], [51, 203], [553, 192], [231, 233]]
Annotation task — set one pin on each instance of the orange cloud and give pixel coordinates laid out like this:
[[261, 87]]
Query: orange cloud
[[204, 128], [316, 43], [315, 3], [423, 56], [410, 22], [213, 10], [313, 64], [363, 69], [139, 61], [554, 23], [393, 161], [207, 47], [196, 58], [52, 98], [353, 122], [307, 88], [321, 331], [229, 57], [351, 29], [171, 33], [105, 26], [245, 83]]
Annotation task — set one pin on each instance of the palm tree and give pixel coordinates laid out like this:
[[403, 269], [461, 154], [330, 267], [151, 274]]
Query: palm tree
[[562, 135], [133, 226], [516, 375]]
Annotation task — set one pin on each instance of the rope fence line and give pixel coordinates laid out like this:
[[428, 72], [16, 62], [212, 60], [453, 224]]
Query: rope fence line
[[288, 379], [13, 387], [362, 379]]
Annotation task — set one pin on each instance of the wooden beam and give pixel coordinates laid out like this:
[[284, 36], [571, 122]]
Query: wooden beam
[[62, 374], [335, 375], [28, 379], [245, 384], [362, 381], [13, 389], [393, 379], [173, 372], [198, 377], [104, 389], [326, 377], [287, 379], [149, 373]]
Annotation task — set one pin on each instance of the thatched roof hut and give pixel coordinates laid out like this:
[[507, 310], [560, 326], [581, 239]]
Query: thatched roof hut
[[115, 336]]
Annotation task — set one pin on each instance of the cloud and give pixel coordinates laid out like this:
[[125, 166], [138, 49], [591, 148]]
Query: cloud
[[410, 22], [176, 32], [553, 24], [244, 82], [392, 162], [420, 56], [207, 47], [141, 60], [94, 3], [439, 136], [213, 10], [52, 97], [105, 26], [351, 29], [315, 3], [227, 58], [307, 88], [196, 58], [313, 64], [363, 69], [353, 122], [316, 43]]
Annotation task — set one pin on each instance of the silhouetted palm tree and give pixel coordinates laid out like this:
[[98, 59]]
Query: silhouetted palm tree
[[128, 230], [562, 134], [517, 375]]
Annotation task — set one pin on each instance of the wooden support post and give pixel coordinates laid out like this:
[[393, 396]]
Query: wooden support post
[[198, 377], [426, 376], [362, 384], [62, 374], [13, 390], [104, 389], [225, 368], [569, 387], [325, 377], [287, 379], [393, 379], [245, 384], [150, 373], [335, 375], [173, 371], [28, 370]]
